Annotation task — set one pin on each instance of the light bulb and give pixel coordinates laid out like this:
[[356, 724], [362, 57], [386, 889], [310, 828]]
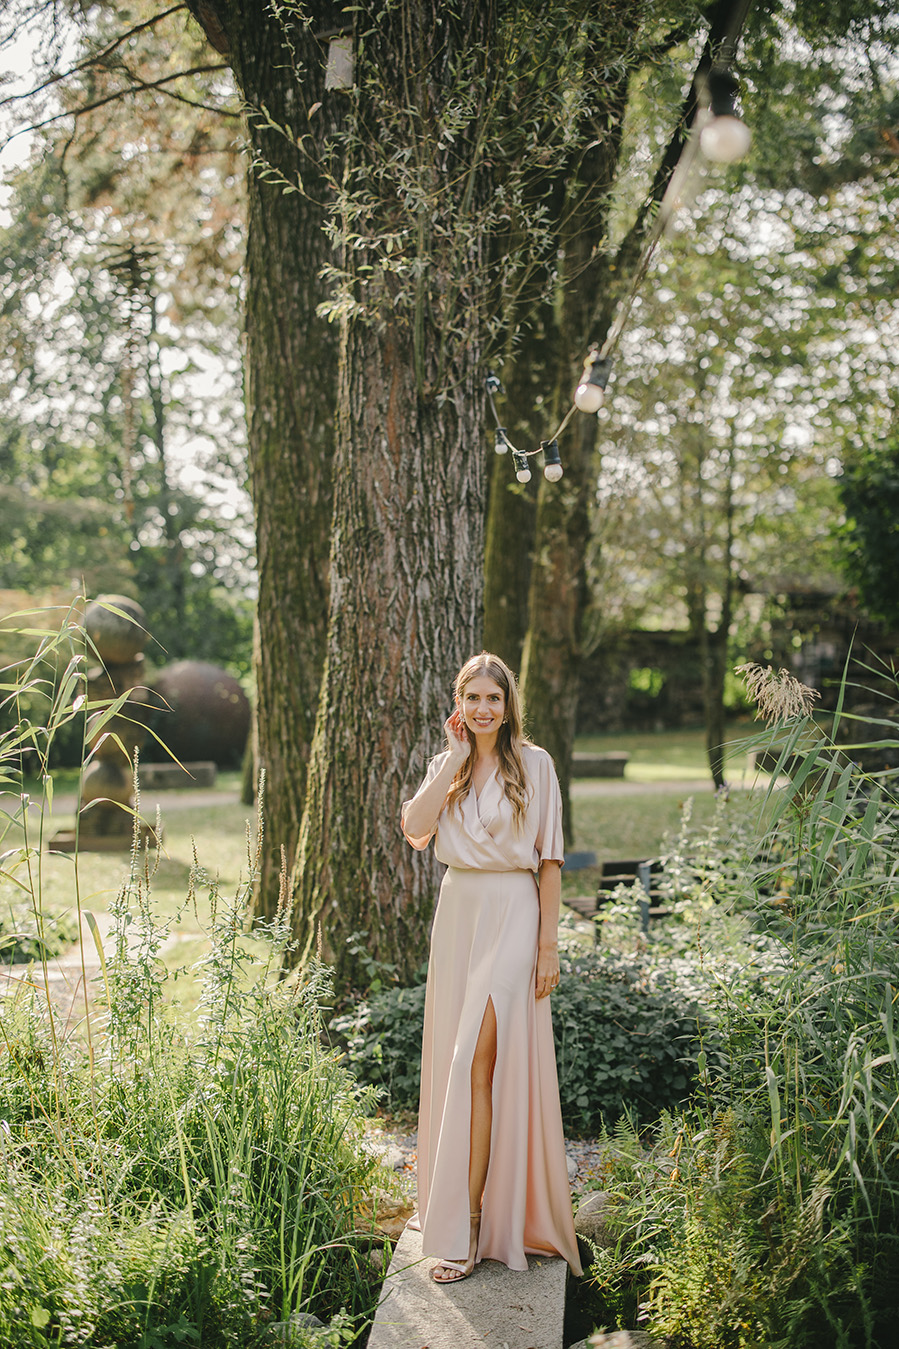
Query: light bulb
[[500, 444], [589, 397], [552, 464], [724, 140], [520, 464]]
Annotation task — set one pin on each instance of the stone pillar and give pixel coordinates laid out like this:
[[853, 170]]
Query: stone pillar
[[114, 626]]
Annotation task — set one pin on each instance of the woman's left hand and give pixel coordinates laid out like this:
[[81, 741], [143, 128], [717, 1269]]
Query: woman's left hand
[[547, 970]]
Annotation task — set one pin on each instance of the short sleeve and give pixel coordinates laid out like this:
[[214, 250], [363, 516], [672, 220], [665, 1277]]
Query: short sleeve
[[433, 769], [547, 802]]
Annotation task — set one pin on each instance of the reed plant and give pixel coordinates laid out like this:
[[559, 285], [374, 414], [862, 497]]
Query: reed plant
[[768, 1212], [162, 1185]]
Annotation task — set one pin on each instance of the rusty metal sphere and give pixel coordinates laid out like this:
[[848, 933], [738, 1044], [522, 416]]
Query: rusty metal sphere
[[201, 712]]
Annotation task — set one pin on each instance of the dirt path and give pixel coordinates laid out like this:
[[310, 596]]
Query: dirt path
[[64, 805], [671, 787]]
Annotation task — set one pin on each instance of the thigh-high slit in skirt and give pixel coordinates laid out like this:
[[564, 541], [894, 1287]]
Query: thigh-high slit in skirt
[[484, 947]]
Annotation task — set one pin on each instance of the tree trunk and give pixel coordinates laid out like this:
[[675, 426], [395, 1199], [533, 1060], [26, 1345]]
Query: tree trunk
[[410, 486], [717, 642], [714, 653], [551, 663], [512, 513], [291, 380], [406, 590], [511, 519]]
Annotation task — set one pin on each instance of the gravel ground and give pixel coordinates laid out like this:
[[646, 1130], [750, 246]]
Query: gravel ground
[[588, 1159]]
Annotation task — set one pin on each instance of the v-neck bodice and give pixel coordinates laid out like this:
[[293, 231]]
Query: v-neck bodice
[[485, 790], [481, 833]]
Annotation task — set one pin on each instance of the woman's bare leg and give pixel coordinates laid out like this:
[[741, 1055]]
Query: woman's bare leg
[[482, 1066]]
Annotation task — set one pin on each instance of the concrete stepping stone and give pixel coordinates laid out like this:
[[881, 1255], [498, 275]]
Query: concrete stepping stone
[[496, 1307]]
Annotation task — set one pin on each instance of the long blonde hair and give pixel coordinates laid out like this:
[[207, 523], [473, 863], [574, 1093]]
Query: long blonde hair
[[509, 742]]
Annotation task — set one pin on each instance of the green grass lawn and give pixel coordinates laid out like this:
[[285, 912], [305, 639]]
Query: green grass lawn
[[218, 830], [629, 826], [659, 756], [614, 825]]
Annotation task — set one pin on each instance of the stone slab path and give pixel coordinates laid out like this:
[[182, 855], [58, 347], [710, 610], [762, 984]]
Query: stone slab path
[[67, 974], [497, 1308]]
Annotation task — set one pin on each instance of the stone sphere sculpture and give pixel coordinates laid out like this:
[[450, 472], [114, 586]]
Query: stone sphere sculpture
[[201, 712], [118, 639]]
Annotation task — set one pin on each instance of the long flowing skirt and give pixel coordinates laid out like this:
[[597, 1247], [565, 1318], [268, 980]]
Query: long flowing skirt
[[484, 946]]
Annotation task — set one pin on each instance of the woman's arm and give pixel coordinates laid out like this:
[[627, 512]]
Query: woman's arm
[[550, 890], [421, 814]]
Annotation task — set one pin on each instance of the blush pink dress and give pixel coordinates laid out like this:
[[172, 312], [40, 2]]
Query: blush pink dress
[[484, 946]]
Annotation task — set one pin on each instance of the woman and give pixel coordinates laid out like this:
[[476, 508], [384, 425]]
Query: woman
[[489, 1108]]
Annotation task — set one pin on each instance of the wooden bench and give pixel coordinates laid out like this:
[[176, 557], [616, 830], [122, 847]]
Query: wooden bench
[[160, 777], [587, 765], [628, 873]]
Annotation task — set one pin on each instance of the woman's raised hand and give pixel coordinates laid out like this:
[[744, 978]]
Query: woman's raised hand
[[457, 737]]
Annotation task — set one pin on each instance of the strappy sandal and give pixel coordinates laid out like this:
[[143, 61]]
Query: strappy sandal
[[460, 1272]]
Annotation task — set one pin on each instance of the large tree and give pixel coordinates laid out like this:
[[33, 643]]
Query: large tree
[[430, 192], [439, 181]]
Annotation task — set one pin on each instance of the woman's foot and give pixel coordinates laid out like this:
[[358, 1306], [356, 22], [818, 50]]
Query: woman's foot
[[447, 1271]]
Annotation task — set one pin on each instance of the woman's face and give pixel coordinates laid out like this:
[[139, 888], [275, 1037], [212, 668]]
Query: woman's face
[[483, 705]]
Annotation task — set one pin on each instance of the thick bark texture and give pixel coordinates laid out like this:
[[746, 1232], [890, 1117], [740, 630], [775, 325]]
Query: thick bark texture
[[406, 593], [291, 380], [409, 504]]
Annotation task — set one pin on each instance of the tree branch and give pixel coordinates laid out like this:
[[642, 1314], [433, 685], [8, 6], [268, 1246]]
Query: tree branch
[[124, 93], [724, 33], [138, 83], [96, 58]]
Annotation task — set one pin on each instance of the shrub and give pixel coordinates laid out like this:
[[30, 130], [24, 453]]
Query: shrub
[[27, 936], [160, 1186], [382, 1037], [628, 1026], [767, 1212]]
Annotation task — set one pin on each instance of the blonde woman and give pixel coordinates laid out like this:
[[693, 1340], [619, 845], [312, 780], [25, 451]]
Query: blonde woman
[[492, 1174]]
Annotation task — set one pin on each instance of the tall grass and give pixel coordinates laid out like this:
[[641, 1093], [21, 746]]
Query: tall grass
[[769, 1212], [156, 1187]]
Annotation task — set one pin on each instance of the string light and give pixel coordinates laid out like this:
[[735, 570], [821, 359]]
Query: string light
[[548, 448], [552, 464], [590, 394], [520, 462], [723, 138]]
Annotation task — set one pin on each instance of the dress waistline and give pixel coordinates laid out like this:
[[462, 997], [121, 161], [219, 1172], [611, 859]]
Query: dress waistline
[[490, 871]]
